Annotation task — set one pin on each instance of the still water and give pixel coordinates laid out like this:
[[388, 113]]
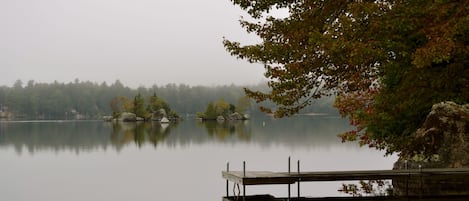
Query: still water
[[94, 160]]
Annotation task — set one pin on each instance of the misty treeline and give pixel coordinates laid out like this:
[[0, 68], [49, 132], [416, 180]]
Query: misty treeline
[[90, 100]]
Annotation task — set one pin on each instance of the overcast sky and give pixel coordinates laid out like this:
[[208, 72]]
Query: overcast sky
[[139, 42]]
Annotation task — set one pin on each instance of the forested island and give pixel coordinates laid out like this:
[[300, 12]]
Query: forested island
[[139, 108], [89, 100]]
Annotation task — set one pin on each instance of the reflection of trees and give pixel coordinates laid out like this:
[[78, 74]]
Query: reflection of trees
[[225, 129], [75, 136], [120, 134], [139, 134], [299, 131], [159, 132], [125, 132]]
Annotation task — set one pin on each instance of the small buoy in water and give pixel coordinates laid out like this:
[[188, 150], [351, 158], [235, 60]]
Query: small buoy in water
[[263, 124]]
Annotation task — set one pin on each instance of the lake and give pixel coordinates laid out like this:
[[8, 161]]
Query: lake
[[102, 161]]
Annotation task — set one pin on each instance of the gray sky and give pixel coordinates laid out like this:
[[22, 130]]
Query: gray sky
[[140, 42]]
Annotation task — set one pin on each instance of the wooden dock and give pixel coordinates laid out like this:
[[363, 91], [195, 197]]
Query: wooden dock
[[387, 198], [246, 178], [265, 177]]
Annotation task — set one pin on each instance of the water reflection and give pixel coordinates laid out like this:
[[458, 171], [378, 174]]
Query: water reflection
[[126, 132], [54, 135], [91, 135], [101, 155], [226, 129]]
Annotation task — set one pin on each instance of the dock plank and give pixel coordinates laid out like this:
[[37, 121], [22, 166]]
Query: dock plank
[[259, 177]]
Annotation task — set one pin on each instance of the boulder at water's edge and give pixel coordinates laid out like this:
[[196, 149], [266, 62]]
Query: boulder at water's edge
[[445, 136]]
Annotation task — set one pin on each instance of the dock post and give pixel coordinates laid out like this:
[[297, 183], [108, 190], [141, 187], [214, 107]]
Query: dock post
[[407, 180], [227, 182], [244, 175], [421, 185], [299, 179], [289, 171]]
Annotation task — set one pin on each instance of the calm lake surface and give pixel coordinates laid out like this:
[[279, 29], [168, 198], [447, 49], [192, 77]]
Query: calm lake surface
[[94, 160]]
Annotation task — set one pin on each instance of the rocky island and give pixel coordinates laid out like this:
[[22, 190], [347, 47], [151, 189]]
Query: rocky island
[[221, 111]]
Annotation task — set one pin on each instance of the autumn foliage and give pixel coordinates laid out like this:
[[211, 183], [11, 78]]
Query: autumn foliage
[[388, 62]]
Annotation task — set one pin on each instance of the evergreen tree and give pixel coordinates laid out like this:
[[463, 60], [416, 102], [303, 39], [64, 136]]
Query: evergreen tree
[[139, 106], [210, 112]]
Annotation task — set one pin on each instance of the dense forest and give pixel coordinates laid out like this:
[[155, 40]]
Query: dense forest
[[89, 100]]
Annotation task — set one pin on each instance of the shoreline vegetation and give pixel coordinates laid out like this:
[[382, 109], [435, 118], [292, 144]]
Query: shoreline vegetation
[[85, 100]]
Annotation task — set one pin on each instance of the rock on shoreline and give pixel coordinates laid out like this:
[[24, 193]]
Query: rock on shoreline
[[444, 138]]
